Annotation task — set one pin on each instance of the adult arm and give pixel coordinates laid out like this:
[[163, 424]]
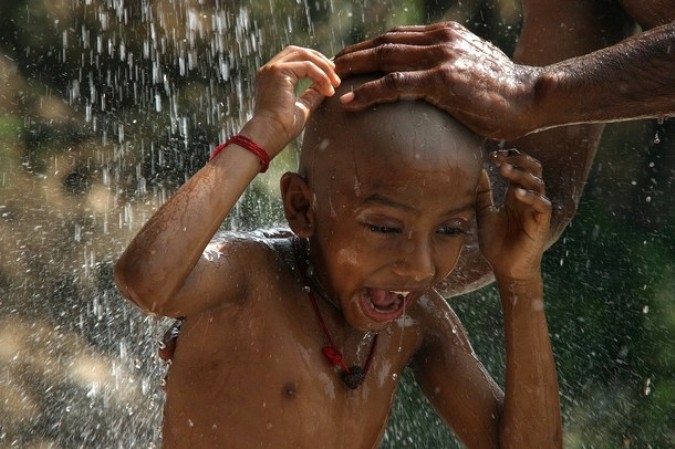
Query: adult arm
[[473, 80], [553, 30], [165, 269], [557, 30], [632, 79]]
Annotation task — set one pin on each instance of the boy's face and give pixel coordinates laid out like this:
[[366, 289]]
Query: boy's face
[[391, 216]]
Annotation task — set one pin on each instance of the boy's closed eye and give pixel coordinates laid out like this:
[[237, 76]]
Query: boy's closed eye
[[455, 227], [384, 229], [451, 230]]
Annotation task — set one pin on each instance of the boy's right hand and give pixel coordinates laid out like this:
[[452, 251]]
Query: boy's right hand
[[279, 114]]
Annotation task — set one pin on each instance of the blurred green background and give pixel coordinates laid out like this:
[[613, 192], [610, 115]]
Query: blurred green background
[[106, 106]]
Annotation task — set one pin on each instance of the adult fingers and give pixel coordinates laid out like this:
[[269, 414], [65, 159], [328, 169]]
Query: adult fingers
[[408, 35], [394, 37], [391, 58], [388, 88]]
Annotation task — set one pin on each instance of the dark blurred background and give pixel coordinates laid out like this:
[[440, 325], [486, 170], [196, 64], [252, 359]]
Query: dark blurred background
[[106, 106]]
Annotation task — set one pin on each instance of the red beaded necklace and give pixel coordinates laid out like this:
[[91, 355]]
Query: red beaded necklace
[[352, 376]]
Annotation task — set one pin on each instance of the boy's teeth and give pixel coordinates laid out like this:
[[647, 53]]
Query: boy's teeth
[[403, 294]]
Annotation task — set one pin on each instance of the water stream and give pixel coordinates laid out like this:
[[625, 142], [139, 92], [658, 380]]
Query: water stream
[[106, 106]]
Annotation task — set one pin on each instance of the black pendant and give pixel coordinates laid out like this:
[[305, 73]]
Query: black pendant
[[354, 377]]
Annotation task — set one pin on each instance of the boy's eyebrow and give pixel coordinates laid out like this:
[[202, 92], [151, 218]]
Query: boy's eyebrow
[[385, 201]]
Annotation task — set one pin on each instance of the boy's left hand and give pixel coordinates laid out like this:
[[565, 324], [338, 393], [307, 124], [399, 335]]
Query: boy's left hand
[[513, 238]]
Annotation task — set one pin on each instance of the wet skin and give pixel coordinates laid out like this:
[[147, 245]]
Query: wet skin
[[649, 13], [397, 206], [248, 369], [501, 107], [390, 222]]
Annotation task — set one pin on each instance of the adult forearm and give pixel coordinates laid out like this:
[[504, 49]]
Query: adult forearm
[[632, 79], [531, 414]]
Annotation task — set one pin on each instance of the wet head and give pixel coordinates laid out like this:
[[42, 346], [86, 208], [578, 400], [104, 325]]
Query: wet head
[[385, 197]]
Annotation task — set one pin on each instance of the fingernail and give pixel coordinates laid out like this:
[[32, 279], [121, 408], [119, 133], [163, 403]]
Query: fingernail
[[494, 158], [347, 98], [505, 152]]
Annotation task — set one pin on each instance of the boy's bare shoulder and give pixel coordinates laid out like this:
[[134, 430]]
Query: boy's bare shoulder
[[230, 270], [258, 255], [439, 322]]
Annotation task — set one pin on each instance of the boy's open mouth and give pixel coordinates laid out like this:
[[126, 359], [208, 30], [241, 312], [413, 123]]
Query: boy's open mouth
[[383, 305]]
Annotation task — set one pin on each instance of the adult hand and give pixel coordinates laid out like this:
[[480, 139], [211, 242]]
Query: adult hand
[[449, 67], [279, 113], [513, 238]]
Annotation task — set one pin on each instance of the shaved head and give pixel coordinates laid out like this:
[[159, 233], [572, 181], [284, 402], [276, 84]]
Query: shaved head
[[376, 185], [399, 132]]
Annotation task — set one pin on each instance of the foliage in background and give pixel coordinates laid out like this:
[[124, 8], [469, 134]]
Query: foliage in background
[[107, 106]]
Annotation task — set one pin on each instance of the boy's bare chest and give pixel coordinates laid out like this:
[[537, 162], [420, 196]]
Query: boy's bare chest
[[262, 371]]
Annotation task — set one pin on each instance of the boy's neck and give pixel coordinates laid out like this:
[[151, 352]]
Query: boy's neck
[[300, 248], [354, 375]]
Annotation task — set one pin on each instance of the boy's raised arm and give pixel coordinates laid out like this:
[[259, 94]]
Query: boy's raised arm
[[531, 410], [527, 414], [163, 270], [513, 239]]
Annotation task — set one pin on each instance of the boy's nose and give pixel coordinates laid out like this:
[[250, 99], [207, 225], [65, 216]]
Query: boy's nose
[[416, 262]]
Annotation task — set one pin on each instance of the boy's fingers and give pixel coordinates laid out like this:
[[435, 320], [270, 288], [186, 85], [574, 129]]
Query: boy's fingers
[[327, 66], [307, 69], [309, 100], [518, 159], [319, 70], [299, 53], [484, 200], [539, 203], [520, 169], [522, 178]]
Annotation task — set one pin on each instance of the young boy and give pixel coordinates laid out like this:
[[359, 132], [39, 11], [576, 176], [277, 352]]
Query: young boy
[[299, 342]]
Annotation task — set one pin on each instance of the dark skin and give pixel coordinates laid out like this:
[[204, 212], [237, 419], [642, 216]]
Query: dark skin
[[597, 75], [384, 205], [575, 62]]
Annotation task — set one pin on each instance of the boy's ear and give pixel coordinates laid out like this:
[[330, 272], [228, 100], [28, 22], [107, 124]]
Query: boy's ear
[[298, 199]]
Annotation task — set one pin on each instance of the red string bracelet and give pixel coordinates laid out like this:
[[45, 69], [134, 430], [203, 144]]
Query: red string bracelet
[[246, 144]]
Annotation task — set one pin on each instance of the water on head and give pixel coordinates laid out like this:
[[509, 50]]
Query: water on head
[[407, 139]]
